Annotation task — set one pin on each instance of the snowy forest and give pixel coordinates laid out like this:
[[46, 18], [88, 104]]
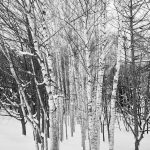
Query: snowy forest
[[76, 64]]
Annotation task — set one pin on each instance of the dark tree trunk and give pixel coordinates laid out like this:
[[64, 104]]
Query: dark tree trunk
[[137, 145], [134, 79], [23, 123]]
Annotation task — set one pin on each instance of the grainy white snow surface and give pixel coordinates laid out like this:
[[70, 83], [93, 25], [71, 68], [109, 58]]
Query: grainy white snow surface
[[11, 138]]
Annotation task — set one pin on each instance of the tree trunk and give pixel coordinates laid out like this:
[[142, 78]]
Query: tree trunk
[[137, 145], [134, 80], [23, 123], [113, 99]]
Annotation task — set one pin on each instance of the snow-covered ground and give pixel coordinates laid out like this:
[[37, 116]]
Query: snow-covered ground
[[11, 138]]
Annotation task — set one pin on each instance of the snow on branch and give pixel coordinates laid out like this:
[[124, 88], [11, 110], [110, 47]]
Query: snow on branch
[[25, 53]]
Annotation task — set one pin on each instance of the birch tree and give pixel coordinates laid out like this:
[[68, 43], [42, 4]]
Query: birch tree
[[113, 98]]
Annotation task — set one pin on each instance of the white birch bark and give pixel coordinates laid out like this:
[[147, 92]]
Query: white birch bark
[[88, 91], [101, 54], [115, 83], [72, 92], [47, 74], [113, 98]]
